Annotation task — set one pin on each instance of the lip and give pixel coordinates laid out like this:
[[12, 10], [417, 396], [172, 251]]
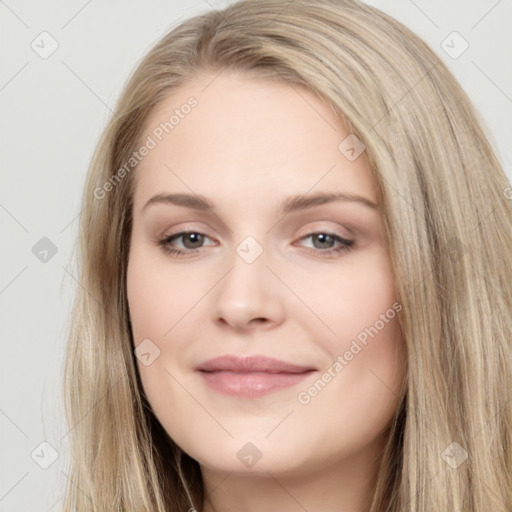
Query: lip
[[251, 377]]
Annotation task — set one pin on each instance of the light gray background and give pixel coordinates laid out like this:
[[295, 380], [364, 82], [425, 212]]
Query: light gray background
[[53, 111]]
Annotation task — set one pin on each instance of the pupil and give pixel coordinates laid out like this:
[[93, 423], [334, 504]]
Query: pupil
[[195, 236], [323, 238]]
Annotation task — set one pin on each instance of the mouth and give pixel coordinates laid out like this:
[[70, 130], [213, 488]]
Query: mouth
[[251, 377]]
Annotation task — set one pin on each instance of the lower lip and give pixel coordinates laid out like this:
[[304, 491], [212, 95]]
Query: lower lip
[[251, 385]]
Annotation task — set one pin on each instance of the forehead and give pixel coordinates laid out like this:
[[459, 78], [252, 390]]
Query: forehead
[[246, 136]]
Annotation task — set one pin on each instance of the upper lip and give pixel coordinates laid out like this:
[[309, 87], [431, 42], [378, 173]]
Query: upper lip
[[250, 364]]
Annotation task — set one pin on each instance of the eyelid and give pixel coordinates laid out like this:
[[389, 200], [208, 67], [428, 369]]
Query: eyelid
[[314, 227], [335, 228], [184, 227]]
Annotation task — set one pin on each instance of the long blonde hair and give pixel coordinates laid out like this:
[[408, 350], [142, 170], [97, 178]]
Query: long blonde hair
[[447, 221]]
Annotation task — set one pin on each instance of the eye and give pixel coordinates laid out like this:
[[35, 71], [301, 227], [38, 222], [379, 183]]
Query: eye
[[325, 243], [192, 241]]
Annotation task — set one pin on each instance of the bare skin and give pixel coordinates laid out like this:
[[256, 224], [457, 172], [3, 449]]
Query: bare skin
[[247, 146]]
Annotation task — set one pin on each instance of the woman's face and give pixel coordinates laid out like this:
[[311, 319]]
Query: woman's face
[[273, 267]]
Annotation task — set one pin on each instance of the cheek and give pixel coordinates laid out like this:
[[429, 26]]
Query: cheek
[[158, 305], [352, 298], [360, 331], [157, 298]]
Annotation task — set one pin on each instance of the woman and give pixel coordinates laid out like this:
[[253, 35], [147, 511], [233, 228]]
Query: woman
[[221, 356]]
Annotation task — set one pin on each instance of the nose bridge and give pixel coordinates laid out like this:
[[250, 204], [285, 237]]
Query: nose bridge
[[246, 292], [247, 279]]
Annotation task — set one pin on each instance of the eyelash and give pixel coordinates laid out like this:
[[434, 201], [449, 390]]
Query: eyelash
[[346, 245]]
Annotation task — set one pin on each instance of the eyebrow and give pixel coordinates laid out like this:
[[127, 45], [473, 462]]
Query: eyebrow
[[289, 205]]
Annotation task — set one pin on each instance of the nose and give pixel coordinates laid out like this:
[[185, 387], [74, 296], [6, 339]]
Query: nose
[[249, 295]]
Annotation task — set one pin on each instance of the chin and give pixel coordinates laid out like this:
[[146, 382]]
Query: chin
[[251, 455]]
